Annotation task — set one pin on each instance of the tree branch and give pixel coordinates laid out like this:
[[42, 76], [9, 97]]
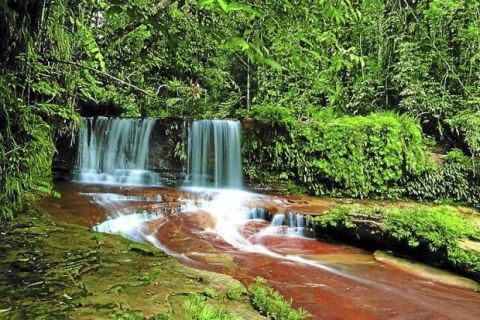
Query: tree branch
[[128, 84]]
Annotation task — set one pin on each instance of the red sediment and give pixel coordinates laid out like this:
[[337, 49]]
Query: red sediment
[[349, 284]]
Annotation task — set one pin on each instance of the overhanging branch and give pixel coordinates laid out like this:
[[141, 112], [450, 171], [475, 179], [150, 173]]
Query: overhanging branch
[[128, 84]]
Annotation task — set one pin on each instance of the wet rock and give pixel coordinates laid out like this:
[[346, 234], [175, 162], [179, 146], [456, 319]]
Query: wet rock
[[426, 272]]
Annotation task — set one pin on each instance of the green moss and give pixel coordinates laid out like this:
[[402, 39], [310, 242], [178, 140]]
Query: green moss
[[210, 293], [362, 156], [435, 231], [146, 250], [66, 271]]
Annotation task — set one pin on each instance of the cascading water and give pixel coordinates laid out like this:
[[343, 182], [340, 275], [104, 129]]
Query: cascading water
[[214, 160], [115, 151], [290, 224], [214, 157]]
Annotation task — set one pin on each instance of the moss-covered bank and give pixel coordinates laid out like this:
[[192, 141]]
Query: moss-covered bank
[[439, 235], [54, 270]]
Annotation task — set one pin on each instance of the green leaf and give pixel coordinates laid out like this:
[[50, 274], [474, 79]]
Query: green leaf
[[223, 5], [172, 101], [114, 10], [237, 43], [205, 3]]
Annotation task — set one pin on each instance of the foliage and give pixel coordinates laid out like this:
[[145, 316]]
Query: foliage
[[235, 292], [344, 156], [25, 153], [468, 125], [209, 292], [198, 309], [274, 115], [440, 229], [335, 218], [309, 69], [454, 179], [271, 303], [437, 230]]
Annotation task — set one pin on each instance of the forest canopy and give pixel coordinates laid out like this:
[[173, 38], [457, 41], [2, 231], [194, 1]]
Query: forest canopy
[[291, 62]]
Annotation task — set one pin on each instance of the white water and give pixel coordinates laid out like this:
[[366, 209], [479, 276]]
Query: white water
[[290, 224], [230, 212], [129, 226], [214, 154], [115, 151]]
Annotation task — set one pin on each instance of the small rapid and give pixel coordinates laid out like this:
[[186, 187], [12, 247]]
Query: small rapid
[[230, 212], [215, 168]]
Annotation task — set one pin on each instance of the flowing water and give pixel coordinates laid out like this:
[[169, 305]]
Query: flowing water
[[214, 156], [215, 226], [115, 151]]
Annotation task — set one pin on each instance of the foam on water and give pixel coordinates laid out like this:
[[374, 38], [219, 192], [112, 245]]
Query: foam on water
[[129, 226]]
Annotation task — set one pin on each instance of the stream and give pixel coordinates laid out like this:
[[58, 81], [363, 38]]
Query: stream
[[211, 223]]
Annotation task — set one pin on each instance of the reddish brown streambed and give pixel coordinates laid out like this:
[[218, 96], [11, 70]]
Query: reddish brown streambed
[[330, 281]]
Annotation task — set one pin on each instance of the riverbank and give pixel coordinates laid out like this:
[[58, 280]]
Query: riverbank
[[54, 269], [441, 236], [329, 280]]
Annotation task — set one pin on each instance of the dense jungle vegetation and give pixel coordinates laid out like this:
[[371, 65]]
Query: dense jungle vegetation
[[361, 98]]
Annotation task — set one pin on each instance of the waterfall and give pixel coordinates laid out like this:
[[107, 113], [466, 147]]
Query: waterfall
[[290, 224], [214, 156], [115, 151]]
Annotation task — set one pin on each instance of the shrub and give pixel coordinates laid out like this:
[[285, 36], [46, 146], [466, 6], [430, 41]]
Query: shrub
[[348, 156], [436, 231], [26, 151], [454, 180], [235, 292], [438, 228], [273, 114]]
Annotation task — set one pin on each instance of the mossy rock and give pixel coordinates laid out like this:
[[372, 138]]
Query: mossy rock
[[67, 271]]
